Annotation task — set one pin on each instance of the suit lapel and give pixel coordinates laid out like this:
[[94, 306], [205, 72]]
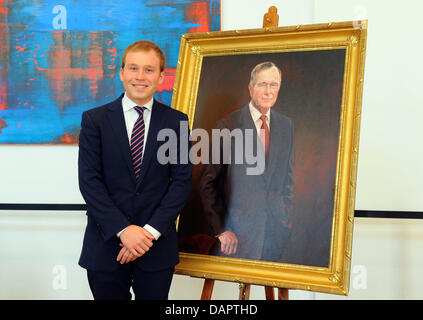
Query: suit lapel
[[117, 121], [276, 132], [150, 148]]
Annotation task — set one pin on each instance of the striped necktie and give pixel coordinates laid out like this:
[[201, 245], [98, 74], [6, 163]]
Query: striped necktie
[[137, 141]]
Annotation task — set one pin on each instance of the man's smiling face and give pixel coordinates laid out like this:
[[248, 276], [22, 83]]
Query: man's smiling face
[[141, 75]]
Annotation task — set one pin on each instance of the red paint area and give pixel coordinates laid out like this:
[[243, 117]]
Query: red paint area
[[112, 51], [169, 80], [3, 96], [67, 138], [19, 49], [198, 13], [2, 124], [3, 9], [62, 75]]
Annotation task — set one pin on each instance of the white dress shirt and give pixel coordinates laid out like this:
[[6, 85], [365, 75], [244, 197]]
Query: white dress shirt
[[255, 114], [131, 115]]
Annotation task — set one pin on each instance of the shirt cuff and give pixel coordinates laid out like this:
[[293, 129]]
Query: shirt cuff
[[156, 234], [119, 233]]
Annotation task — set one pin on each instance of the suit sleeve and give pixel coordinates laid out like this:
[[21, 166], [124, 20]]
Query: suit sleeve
[[108, 218], [180, 176], [211, 190], [211, 198]]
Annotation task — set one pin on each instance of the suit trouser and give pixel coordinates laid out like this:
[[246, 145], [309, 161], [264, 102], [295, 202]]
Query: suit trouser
[[116, 285]]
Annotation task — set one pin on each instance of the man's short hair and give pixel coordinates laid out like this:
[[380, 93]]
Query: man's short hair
[[145, 45], [263, 66]]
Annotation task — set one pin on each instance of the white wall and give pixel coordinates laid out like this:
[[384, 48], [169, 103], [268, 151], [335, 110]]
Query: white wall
[[390, 169], [39, 174], [40, 249]]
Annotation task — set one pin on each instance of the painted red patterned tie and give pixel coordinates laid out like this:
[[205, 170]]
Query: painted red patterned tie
[[265, 138], [137, 141]]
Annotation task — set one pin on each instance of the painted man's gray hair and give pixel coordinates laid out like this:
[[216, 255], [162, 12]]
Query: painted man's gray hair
[[263, 66]]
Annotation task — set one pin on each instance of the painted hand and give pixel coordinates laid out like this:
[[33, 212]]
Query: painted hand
[[228, 242]]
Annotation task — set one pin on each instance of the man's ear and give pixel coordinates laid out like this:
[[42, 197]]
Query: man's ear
[[250, 89], [121, 74], [162, 75]]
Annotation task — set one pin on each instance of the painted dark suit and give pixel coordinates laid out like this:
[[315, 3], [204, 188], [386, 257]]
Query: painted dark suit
[[257, 208], [116, 200]]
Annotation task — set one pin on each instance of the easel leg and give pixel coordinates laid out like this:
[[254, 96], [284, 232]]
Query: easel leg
[[283, 294], [270, 293], [207, 289], [244, 291]]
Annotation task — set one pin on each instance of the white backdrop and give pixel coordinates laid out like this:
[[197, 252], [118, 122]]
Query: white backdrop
[[40, 249], [390, 169]]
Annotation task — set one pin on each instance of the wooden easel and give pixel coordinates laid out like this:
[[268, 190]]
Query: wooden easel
[[244, 291], [270, 19]]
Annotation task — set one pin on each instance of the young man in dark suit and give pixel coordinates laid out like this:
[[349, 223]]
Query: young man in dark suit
[[132, 198]]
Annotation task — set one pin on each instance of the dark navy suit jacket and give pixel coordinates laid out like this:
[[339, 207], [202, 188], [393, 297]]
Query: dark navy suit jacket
[[116, 200], [257, 208]]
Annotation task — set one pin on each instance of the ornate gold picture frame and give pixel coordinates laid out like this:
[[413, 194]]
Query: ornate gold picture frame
[[323, 70]]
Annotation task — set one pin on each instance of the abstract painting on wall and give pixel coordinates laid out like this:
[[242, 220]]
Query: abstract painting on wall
[[58, 59]]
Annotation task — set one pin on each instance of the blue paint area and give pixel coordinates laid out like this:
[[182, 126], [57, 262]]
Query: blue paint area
[[54, 74], [96, 15]]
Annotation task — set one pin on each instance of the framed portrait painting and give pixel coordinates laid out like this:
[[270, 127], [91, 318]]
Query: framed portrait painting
[[274, 115]]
